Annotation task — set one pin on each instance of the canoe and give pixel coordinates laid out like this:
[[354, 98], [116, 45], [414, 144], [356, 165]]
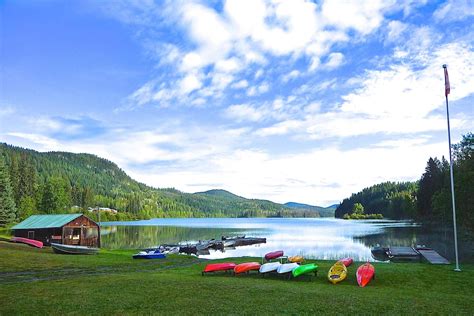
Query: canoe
[[287, 267], [214, 267], [246, 267], [365, 273], [273, 255], [297, 259], [269, 267], [346, 261], [154, 254], [73, 250], [31, 242], [337, 273], [305, 269]]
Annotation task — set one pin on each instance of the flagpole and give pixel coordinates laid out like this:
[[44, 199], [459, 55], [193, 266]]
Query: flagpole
[[447, 90]]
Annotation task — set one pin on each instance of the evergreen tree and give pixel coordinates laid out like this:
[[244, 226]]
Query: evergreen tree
[[7, 202], [430, 182]]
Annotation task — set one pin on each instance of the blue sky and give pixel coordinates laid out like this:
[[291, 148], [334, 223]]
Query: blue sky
[[283, 100]]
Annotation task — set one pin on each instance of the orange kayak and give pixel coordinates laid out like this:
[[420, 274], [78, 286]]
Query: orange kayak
[[246, 267], [364, 274]]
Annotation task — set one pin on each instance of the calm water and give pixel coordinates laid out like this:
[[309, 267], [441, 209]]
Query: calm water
[[310, 237]]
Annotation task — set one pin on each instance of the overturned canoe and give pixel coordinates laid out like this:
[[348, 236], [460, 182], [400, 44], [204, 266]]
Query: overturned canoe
[[73, 250], [27, 241], [305, 269], [269, 267], [273, 255], [287, 267], [246, 267], [214, 267], [365, 273], [337, 273]]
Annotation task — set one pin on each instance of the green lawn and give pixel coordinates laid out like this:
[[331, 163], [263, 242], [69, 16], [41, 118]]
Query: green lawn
[[38, 281]]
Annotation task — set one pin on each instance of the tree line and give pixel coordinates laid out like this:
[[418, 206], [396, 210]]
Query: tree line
[[60, 182], [429, 198]]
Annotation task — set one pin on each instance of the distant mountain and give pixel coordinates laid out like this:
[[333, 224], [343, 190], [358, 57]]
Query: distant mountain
[[60, 180], [323, 211]]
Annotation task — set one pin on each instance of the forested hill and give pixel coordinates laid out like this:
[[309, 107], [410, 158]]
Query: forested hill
[[323, 211], [59, 182], [427, 200], [391, 199]]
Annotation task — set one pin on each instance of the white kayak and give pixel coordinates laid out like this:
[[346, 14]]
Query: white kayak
[[269, 267], [287, 267]]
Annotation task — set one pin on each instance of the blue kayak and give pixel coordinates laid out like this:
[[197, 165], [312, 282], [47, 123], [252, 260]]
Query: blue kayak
[[149, 255]]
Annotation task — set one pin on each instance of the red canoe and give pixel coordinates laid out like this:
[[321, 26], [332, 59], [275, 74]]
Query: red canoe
[[246, 267], [213, 267], [273, 255], [31, 242], [346, 261], [364, 274]]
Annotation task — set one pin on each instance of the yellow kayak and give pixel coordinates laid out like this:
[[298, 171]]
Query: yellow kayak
[[296, 259], [337, 273]]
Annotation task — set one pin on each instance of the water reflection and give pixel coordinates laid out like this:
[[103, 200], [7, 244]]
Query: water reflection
[[312, 238]]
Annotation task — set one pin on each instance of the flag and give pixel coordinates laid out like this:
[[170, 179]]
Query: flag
[[447, 87]]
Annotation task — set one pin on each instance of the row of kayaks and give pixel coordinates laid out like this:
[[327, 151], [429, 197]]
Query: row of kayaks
[[290, 269], [337, 273]]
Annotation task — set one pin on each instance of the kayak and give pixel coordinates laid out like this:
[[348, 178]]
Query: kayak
[[305, 269], [346, 261], [337, 273], [365, 273], [154, 254], [269, 267], [297, 259], [287, 267], [246, 267], [273, 255], [214, 267], [31, 242]]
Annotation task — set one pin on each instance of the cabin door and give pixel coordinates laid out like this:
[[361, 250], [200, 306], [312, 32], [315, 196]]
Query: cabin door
[[31, 234]]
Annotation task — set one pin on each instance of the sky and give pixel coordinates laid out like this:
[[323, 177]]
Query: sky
[[306, 101]]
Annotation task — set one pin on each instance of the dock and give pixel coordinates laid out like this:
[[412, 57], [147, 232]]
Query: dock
[[403, 253], [432, 256]]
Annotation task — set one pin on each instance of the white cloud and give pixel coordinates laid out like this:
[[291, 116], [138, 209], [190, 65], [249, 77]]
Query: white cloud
[[334, 60], [6, 111], [454, 10], [241, 84], [245, 112], [395, 30], [190, 83]]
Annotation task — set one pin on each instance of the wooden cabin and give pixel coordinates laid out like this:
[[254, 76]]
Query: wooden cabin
[[67, 229]]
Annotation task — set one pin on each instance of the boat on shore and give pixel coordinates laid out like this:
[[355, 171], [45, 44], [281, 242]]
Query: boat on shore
[[269, 267], [337, 273], [246, 267], [30, 242], [347, 261], [153, 254], [365, 273], [305, 269], [215, 267], [73, 250]]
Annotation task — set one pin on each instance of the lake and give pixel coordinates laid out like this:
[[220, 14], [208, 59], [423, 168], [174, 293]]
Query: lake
[[317, 238]]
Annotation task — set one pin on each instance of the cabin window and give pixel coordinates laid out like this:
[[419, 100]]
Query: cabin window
[[76, 234], [31, 235], [91, 232]]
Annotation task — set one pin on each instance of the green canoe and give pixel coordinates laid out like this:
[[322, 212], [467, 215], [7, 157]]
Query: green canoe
[[305, 269]]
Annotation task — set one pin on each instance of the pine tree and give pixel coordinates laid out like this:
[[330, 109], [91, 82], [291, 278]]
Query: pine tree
[[7, 202]]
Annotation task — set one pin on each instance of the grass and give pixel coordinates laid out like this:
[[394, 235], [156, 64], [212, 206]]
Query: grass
[[38, 281]]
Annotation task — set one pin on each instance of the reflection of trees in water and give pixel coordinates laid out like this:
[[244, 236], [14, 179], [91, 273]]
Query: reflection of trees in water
[[134, 237], [438, 238]]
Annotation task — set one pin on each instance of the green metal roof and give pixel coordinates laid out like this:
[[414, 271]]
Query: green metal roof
[[46, 221]]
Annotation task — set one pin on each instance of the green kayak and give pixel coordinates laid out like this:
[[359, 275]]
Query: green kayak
[[305, 269]]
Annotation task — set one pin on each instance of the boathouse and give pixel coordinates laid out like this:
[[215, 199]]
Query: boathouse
[[67, 229]]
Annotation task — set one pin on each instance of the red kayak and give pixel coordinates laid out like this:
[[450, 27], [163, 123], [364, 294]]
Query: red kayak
[[346, 261], [246, 267], [273, 255], [365, 273], [214, 267], [31, 242]]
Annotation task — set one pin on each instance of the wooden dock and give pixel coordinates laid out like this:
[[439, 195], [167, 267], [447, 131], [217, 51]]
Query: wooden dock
[[432, 256]]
